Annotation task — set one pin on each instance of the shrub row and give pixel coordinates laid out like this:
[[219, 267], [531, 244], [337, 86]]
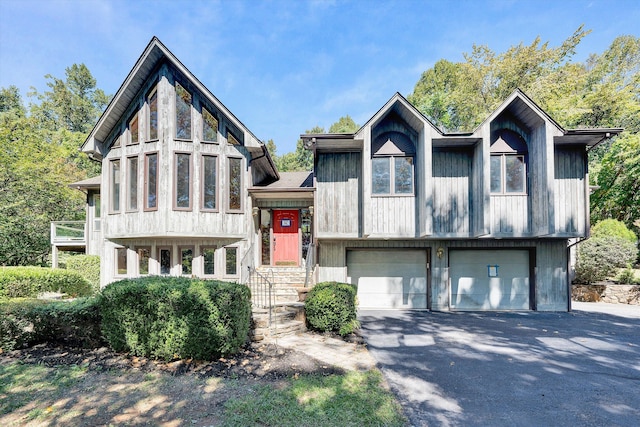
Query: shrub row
[[27, 322], [331, 306], [88, 266], [170, 318], [28, 282]]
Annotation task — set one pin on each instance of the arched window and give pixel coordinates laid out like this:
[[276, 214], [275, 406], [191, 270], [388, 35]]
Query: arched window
[[508, 163], [392, 164]]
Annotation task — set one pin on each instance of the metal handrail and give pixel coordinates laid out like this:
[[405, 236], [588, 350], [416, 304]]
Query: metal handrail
[[310, 262], [261, 291]]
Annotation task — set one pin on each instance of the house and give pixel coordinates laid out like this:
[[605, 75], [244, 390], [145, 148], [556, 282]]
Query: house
[[417, 218]]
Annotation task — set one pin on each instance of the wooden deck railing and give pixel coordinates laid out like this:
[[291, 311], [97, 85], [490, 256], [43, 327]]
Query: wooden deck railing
[[68, 233]]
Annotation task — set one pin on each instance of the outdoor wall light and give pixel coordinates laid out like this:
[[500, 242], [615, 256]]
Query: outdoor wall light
[[255, 211], [311, 210], [440, 252]]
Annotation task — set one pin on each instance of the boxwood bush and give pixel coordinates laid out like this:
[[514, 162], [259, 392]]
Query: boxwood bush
[[26, 322], [88, 266], [172, 317], [331, 306], [28, 282]]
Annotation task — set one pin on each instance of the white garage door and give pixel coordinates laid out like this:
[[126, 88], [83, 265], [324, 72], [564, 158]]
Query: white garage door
[[489, 279], [389, 278]]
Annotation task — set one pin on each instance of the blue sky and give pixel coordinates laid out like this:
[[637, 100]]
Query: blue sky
[[285, 66]]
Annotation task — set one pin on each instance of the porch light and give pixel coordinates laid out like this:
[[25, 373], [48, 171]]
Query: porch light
[[255, 211], [440, 252], [311, 210]]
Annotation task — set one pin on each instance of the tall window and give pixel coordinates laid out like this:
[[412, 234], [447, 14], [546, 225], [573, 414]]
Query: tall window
[[392, 175], [209, 182], [134, 130], [183, 181], [164, 256], [208, 259], [144, 254], [231, 261], [121, 261], [132, 183], [235, 184], [186, 260], [209, 127], [115, 185], [183, 113], [508, 167], [151, 182], [152, 101]]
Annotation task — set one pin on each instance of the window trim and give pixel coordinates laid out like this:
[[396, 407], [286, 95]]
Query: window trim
[[202, 183], [134, 117], [175, 100], [151, 93], [392, 176], [145, 205], [202, 251], [175, 181], [228, 192], [112, 186], [160, 249], [128, 207], [138, 258], [503, 174], [236, 274], [117, 260], [208, 141]]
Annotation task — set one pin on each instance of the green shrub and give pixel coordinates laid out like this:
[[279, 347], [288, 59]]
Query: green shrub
[[27, 322], [601, 257], [613, 228], [331, 306], [28, 282], [169, 318], [88, 266]]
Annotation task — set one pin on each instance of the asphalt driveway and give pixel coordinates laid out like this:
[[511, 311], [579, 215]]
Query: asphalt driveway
[[511, 369]]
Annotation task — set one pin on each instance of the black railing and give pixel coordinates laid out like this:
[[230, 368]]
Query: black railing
[[310, 262], [262, 293]]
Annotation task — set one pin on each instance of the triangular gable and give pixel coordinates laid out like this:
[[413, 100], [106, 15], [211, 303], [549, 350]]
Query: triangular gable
[[406, 110], [139, 74]]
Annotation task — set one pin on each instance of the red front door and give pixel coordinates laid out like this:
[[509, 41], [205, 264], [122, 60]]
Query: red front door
[[285, 242]]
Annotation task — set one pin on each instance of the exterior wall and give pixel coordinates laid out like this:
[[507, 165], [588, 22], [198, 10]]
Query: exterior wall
[[570, 185], [453, 192], [94, 224]]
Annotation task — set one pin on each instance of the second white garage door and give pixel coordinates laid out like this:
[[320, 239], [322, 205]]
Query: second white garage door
[[489, 279], [389, 278]]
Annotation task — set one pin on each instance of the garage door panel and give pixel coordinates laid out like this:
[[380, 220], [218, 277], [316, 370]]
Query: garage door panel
[[389, 279], [472, 289]]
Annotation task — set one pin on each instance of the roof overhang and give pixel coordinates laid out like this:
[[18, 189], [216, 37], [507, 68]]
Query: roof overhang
[[587, 137], [331, 142], [87, 184]]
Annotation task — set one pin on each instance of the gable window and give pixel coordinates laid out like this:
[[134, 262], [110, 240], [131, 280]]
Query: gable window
[[183, 112], [209, 183], [114, 172], [208, 260], [116, 142], [151, 181], [231, 261], [235, 184], [232, 139], [144, 253], [182, 181], [186, 260], [134, 130], [209, 127], [132, 183], [152, 102], [392, 165], [508, 168], [121, 261]]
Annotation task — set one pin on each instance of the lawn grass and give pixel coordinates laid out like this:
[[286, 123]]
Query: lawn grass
[[32, 394]]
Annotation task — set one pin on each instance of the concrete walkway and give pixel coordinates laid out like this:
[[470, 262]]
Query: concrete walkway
[[580, 368]]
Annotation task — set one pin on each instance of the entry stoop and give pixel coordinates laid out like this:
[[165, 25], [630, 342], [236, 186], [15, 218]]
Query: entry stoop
[[287, 318]]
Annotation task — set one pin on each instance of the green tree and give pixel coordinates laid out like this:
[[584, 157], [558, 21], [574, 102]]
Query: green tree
[[344, 125]]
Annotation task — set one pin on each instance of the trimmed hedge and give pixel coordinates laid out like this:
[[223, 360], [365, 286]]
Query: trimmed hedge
[[28, 282], [331, 306], [170, 318], [27, 322], [88, 266]]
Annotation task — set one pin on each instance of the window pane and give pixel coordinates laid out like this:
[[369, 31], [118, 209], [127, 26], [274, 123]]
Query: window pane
[[209, 126], [208, 255], [183, 113], [133, 129], [133, 183], [165, 261], [183, 181], [231, 256], [153, 115], [232, 139], [496, 174], [403, 175], [186, 257], [381, 178], [514, 174], [121, 255], [115, 185], [116, 143], [152, 181], [143, 260], [235, 183], [96, 204], [209, 178]]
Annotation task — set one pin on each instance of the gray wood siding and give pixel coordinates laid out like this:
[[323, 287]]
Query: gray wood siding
[[569, 185], [452, 193], [338, 194], [393, 216], [551, 276], [510, 215]]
